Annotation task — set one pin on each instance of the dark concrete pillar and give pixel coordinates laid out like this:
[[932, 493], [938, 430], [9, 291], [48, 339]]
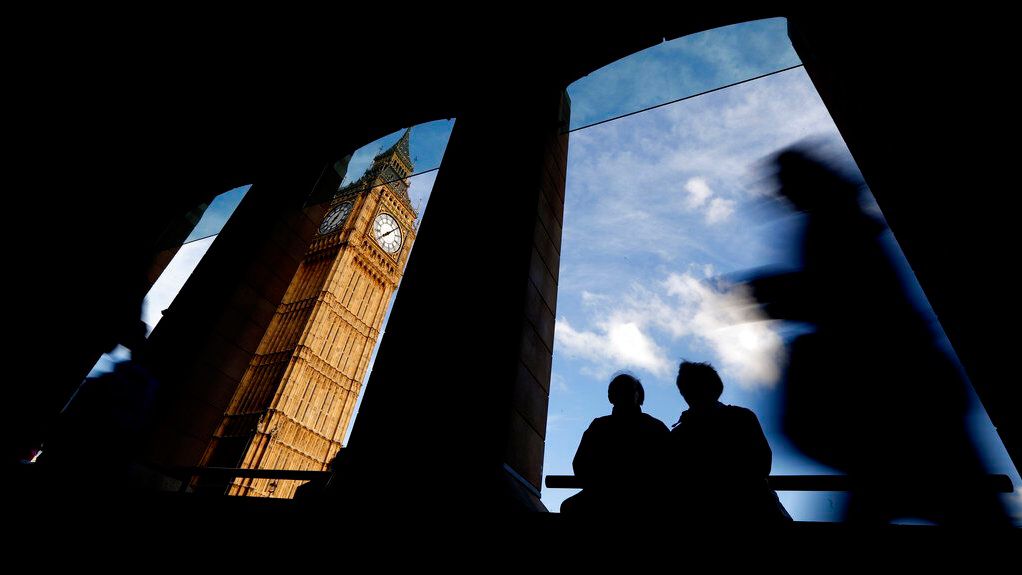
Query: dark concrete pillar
[[455, 410]]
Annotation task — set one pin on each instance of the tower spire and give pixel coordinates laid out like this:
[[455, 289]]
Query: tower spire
[[400, 151], [391, 167]]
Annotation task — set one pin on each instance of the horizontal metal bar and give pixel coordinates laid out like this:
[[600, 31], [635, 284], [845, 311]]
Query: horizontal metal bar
[[229, 472], [999, 483]]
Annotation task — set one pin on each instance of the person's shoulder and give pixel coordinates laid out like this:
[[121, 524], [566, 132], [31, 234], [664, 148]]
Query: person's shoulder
[[738, 412], [737, 409], [653, 422]]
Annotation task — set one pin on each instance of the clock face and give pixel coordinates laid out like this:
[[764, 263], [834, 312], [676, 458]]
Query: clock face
[[387, 233], [335, 217]]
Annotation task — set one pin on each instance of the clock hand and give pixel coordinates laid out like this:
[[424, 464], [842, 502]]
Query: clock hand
[[388, 233]]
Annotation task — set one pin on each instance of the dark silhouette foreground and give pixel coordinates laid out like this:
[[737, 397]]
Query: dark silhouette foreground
[[93, 442], [869, 391], [720, 458]]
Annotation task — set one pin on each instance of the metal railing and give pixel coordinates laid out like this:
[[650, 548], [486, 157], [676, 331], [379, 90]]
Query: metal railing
[[228, 473], [998, 483]]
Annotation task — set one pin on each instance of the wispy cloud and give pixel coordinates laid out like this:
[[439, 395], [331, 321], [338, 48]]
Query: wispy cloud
[[701, 198], [698, 192], [725, 318], [558, 383], [614, 342], [673, 185], [639, 330], [719, 210], [666, 194]]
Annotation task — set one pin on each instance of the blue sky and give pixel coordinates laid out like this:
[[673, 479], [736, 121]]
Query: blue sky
[[680, 68], [427, 143]]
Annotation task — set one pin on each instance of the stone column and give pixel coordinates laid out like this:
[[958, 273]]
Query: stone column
[[454, 414]]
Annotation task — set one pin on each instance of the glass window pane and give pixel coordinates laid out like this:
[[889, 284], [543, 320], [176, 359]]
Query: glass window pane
[[665, 211]]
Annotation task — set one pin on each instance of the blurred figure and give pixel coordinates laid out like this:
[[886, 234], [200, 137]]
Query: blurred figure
[[92, 443], [721, 457], [869, 391], [617, 456]]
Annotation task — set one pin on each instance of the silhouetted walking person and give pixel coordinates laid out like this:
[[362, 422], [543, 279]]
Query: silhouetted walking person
[[869, 391], [618, 455], [720, 456]]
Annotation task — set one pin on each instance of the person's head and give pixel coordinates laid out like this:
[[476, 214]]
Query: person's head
[[336, 460], [809, 182], [625, 391], [135, 338], [699, 383]]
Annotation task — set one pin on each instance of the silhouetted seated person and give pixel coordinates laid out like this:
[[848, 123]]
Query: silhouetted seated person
[[869, 390], [617, 456], [721, 457]]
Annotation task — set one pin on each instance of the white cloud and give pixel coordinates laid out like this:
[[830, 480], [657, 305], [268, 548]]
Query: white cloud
[[639, 330], [725, 317], [637, 348], [614, 343], [719, 210], [698, 192], [700, 195]]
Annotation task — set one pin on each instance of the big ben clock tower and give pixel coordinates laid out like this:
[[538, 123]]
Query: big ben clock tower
[[295, 401]]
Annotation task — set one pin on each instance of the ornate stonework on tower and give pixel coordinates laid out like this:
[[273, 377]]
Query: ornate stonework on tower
[[295, 401]]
